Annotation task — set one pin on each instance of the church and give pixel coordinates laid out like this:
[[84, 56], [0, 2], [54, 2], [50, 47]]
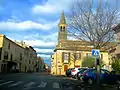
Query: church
[[71, 53]]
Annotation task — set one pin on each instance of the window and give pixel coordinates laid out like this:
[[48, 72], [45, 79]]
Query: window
[[79, 68], [104, 72], [11, 57], [118, 55], [88, 54], [9, 46], [94, 71], [64, 28], [6, 55], [31, 55], [29, 61], [66, 57], [61, 28], [20, 56], [101, 56], [78, 55]]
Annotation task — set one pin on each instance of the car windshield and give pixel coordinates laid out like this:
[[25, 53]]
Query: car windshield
[[59, 44]]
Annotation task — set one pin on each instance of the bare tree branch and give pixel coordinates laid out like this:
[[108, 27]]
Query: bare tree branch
[[91, 23]]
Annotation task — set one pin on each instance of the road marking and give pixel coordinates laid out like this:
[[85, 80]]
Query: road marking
[[43, 84], [29, 84], [56, 85], [6, 83], [15, 84]]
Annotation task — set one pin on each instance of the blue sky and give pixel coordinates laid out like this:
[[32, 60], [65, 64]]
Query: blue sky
[[34, 21]]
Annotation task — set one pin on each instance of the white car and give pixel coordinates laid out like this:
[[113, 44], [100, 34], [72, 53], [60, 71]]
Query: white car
[[75, 71]]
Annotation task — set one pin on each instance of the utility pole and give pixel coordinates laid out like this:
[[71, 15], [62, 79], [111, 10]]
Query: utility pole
[[96, 55], [97, 59], [98, 71]]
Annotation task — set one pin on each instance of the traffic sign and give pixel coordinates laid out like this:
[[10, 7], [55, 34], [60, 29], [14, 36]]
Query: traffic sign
[[96, 53]]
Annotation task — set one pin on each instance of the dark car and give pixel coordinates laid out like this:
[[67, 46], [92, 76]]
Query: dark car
[[68, 71], [90, 76], [79, 74]]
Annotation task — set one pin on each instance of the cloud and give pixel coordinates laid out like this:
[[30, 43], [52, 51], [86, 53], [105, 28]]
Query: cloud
[[43, 50], [44, 55], [27, 25], [52, 6], [40, 43], [47, 8], [43, 37]]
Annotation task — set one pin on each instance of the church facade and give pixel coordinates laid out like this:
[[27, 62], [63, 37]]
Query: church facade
[[71, 53]]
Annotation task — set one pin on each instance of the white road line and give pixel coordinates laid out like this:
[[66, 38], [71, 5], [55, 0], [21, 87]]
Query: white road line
[[29, 84], [43, 84], [56, 85], [6, 83], [15, 84]]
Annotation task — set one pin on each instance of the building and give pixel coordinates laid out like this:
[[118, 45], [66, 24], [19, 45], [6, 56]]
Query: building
[[16, 56], [71, 53], [115, 50], [39, 64]]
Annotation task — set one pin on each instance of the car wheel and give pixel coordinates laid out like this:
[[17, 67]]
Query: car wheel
[[90, 81], [75, 76], [78, 78]]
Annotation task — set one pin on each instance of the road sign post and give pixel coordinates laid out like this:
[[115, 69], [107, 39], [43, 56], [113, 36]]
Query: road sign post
[[96, 55]]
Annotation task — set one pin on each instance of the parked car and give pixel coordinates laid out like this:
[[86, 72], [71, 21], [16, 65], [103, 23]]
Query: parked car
[[74, 72], [90, 76], [79, 74], [68, 71]]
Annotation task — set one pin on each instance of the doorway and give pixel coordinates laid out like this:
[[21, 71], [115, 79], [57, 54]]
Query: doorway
[[65, 67]]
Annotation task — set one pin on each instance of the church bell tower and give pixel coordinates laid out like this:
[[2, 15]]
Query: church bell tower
[[62, 29]]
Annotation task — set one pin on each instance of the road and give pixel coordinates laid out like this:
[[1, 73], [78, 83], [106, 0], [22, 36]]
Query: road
[[41, 81], [35, 81]]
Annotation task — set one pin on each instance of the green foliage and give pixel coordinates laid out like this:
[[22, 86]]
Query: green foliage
[[116, 65], [101, 63], [90, 62]]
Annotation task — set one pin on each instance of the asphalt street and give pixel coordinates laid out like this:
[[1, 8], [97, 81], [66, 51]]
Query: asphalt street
[[42, 81], [35, 81]]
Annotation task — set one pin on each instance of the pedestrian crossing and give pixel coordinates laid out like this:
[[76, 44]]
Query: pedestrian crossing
[[15, 84], [43, 84], [29, 84]]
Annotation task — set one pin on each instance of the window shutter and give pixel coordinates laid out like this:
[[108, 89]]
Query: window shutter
[[68, 57], [62, 57], [80, 56]]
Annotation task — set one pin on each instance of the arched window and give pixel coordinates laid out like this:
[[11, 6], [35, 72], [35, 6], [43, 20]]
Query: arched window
[[64, 28], [61, 28]]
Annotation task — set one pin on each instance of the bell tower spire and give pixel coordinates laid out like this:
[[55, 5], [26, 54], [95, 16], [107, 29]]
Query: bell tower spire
[[62, 19], [62, 28]]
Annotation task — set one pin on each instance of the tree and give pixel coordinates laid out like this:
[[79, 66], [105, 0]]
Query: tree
[[74, 54], [90, 62], [116, 65], [94, 24]]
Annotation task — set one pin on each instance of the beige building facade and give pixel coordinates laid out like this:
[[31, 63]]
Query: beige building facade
[[71, 53], [39, 64], [115, 50], [16, 56]]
